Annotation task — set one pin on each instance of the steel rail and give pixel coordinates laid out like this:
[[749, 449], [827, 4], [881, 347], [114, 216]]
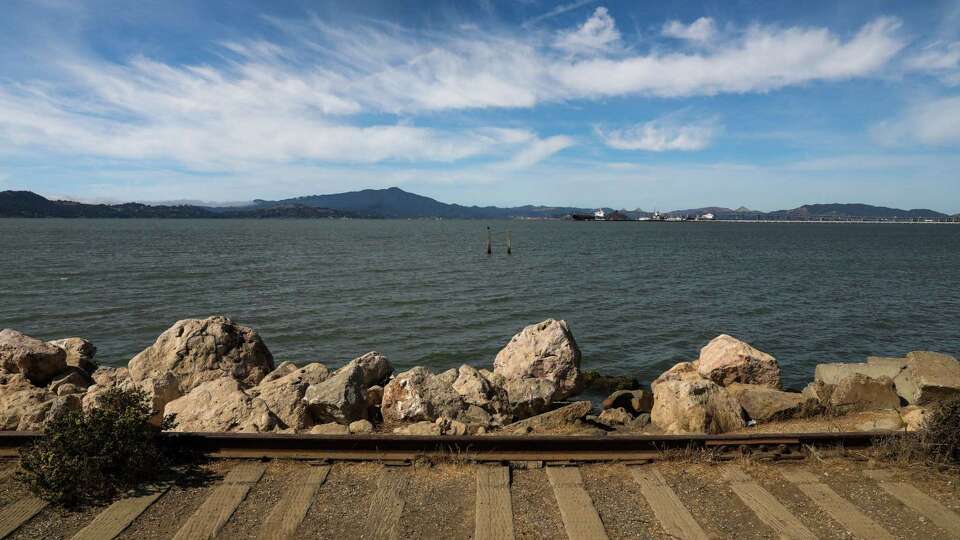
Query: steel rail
[[484, 447]]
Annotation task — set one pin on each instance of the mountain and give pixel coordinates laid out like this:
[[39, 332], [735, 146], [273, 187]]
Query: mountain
[[814, 211], [397, 203], [30, 205]]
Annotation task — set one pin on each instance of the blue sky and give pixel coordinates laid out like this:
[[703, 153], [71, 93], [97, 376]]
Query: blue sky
[[766, 104]]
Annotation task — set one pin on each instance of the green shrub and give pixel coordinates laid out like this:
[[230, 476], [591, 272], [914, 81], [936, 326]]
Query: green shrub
[[94, 456]]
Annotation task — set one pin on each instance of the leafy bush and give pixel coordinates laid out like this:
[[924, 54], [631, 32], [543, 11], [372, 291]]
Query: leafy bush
[[93, 456]]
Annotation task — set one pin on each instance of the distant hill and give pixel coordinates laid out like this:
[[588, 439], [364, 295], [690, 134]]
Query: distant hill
[[30, 205], [397, 203], [813, 211]]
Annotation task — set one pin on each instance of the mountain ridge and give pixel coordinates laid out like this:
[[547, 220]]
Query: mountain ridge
[[395, 203]]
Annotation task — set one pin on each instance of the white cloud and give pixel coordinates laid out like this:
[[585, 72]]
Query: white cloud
[[539, 150], [933, 123], [599, 33], [700, 30], [762, 59], [661, 135], [941, 59], [333, 94]]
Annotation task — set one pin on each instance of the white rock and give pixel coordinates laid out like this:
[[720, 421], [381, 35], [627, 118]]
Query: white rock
[[726, 360], [545, 350]]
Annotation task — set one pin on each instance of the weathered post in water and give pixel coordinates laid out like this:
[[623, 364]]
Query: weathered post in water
[[509, 244], [489, 242]]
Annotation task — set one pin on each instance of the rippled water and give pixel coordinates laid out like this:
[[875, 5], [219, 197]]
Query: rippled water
[[638, 297]]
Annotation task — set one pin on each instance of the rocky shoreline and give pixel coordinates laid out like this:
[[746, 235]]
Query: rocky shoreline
[[214, 375]]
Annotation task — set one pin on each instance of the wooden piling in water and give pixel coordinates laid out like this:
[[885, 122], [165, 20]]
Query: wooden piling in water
[[509, 244], [489, 242]]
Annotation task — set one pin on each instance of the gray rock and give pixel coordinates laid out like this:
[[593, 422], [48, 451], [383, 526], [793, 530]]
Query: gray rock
[[928, 377], [874, 368], [79, 351], [615, 417], [73, 376], [764, 404], [881, 421], [282, 370], [38, 361], [423, 429], [23, 406], [727, 360], [564, 416], [483, 389], [197, 351], [220, 405], [695, 406], [418, 394], [330, 428], [284, 394], [681, 371], [341, 398], [545, 350], [530, 397], [360, 427], [858, 392]]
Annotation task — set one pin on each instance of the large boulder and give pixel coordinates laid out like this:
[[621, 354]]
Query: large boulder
[[220, 405], [38, 361], [79, 351], [928, 377], [545, 350], [284, 395], [197, 351], [529, 397], [858, 392], [25, 407], [727, 360], [694, 406], [681, 371], [874, 368], [762, 403], [482, 388], [342, 397], [419, 394]]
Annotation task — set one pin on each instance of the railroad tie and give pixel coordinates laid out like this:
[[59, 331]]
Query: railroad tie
[[287, 514], [767, 508], [841, 510], [386, 506], [119, 515], [217, 508], [494, 510], [580, 517], [16, 514], [675, 519], [920, 502]]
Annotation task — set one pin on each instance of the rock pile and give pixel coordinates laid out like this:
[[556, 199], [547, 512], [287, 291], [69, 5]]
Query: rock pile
[[215, 375]]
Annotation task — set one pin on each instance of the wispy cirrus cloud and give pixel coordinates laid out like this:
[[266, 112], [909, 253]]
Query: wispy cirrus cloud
[[935, 122], [700, 30], [597, 34], [661, 135], [334, 94]]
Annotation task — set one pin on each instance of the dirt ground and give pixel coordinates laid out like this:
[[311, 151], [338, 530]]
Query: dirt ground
[[439, 500]]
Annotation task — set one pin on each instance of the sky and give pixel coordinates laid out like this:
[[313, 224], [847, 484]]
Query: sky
[[625, 104]]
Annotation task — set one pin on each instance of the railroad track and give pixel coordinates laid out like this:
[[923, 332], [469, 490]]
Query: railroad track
[[492, 448]]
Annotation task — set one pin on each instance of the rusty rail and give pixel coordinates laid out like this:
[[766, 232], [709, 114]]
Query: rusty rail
[[488, 447]]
